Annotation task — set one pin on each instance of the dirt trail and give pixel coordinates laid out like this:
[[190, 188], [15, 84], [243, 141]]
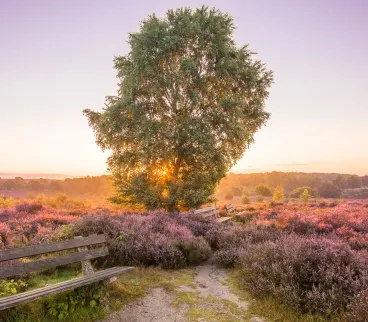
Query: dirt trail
[[209, 283], [155, 307], [158, 306]]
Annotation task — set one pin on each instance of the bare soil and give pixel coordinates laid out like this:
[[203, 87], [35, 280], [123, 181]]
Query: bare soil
[[158, 306]]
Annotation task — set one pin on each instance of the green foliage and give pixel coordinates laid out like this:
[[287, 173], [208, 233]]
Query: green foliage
[[245, 199], [278, 194], [7, 201], [91, 296], [298, 191], [305, 196], [11, 287], [188, 105], [229, 196], [263, 190]]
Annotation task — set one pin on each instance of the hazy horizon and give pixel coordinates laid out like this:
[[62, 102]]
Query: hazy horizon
[[60, 176], [57, 59]]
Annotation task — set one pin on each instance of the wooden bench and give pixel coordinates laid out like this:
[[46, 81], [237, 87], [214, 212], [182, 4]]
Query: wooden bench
[[83, 255], [211, 212], [232, 211]]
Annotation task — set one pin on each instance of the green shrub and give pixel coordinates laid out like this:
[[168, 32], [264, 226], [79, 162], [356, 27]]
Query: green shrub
[[278, 194], [66, 303], [259, 198], [245, 199], [229, 196], [11, 287], [263, 190], [305, 196], [298, 191]]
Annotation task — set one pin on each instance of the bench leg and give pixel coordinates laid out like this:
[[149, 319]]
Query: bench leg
[[87, 268], [110, 280]]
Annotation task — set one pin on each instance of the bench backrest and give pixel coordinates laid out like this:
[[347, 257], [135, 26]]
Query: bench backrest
[[82, 255], [230, 208], [207, 212]]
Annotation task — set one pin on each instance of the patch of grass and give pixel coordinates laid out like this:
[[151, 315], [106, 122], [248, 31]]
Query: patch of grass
[[210, 308], [147, 278], [269, 307], [129, 287], [52, 277]]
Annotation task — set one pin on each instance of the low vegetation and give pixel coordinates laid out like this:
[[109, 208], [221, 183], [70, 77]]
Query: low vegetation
[[311, 256]]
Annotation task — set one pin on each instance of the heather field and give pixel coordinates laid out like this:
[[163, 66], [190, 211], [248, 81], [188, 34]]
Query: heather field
[[312, 257]]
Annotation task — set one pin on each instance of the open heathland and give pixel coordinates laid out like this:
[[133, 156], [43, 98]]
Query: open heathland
[[299, 261]]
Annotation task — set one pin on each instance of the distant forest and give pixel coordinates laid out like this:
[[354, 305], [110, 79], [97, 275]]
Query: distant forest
[[328, 185], [99, 186]]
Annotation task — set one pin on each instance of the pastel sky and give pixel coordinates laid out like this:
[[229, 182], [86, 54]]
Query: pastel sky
[[56, 60]]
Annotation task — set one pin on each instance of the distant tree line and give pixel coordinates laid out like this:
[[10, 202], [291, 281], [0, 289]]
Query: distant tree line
[[326, 185], [98, 186]]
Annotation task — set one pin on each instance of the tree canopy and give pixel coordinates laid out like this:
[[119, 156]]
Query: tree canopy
[[188, 105]]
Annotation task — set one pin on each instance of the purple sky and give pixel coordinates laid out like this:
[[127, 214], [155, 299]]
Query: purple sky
[[56, 59]]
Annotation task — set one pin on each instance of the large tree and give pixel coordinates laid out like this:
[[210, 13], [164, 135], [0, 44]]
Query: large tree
[[188, 105]]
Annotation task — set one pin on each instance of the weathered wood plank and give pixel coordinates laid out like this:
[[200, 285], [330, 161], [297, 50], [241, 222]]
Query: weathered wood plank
[[52, 286], [223, 219], [40, 264], [26, 297], [199, 211], [50, 248], [241, 213], [87, 268], [230, 208]]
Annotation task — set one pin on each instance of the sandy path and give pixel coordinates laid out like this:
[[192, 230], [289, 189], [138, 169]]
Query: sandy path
[[157, 305], [209, 283]]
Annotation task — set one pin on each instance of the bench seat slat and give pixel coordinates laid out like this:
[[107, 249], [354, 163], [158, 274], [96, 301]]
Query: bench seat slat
[[200, 211], [223, 219], [50, 248], [40, 264], [25, 297], [52, 286], [212, 213]]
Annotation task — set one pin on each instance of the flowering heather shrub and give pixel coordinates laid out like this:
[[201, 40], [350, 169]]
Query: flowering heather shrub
[[197, 224], [228, 257], [147, 249], [195, 250], [6, 215], [309, 273], [358, 308], [29, 207], [233, 241], [98, 224], [148, 239]]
